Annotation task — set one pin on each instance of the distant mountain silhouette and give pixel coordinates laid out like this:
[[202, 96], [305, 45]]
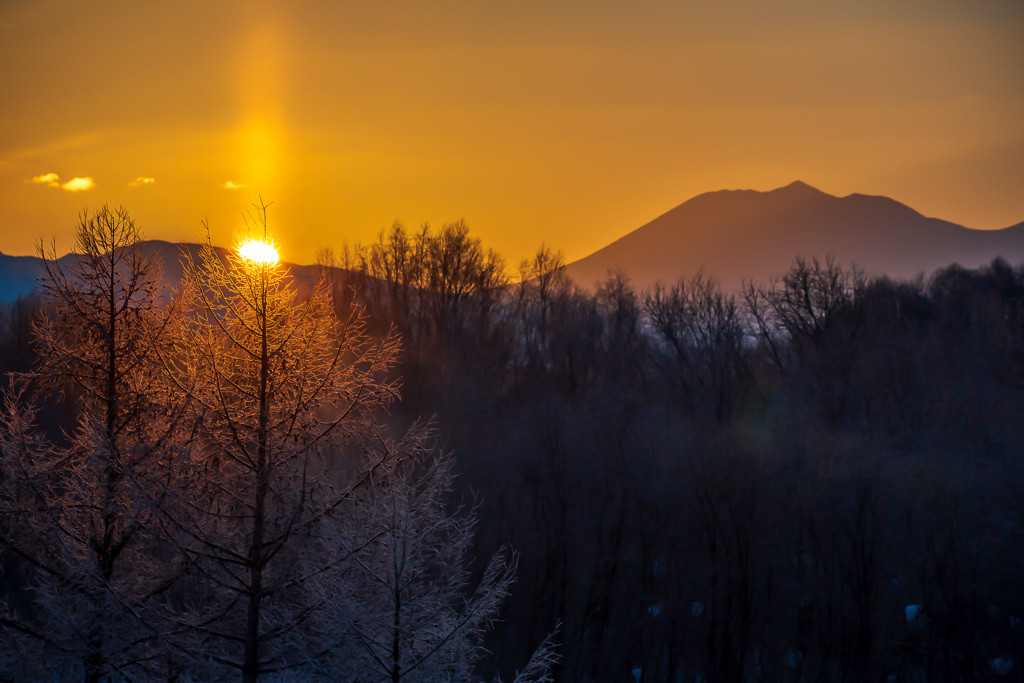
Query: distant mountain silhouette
[[737, 235], [18, 274]]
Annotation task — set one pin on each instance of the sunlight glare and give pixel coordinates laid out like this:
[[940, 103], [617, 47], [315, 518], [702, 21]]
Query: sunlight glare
[[258, 252]]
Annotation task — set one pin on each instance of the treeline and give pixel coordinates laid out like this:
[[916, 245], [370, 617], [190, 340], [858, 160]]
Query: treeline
[[819, 478], [203, 490]]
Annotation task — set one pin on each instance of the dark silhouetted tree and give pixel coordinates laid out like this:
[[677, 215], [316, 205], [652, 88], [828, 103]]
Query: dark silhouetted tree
[[77, 512]]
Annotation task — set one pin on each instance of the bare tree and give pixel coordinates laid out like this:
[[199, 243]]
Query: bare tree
[[279, 385], [76, 510], [809, 327], [460, 278], [700, 331], [400, 608]]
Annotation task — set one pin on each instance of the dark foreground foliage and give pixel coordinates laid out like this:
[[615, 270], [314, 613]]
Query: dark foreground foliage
[[820, 478]]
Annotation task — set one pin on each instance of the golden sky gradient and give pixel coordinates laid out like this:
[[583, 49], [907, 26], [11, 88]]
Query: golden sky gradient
[[565, 122]]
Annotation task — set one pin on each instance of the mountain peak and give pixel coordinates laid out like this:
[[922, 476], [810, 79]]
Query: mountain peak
[[797, 184], [801, 188], [737, 235]]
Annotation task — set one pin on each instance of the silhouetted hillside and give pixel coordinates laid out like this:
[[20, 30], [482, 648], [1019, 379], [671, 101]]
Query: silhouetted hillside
[[18, 273], [17, 276], [734, 235], [743, 234]]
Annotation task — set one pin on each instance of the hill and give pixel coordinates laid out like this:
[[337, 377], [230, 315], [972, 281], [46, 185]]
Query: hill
[[744, 234], [735, 235], [18, 274]]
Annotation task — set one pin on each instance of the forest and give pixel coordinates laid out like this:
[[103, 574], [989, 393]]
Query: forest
[[420, 467]]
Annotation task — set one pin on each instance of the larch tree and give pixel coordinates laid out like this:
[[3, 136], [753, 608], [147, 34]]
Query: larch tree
[[396, 609], [77, 513], [400, 606], [280, 388], [226, 505]]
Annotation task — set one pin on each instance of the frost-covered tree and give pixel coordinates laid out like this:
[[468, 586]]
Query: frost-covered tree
[[400, 606], [279, 386], [76, 511], [210, 515]]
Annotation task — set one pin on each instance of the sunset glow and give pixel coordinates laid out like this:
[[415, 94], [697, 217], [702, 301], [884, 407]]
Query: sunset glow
[[259, 252], [567, 123], [714, 306]]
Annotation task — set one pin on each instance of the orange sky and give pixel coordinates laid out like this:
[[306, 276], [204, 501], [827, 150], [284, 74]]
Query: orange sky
[[567, 122]]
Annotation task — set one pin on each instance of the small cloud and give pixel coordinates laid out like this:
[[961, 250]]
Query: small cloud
[[968, 98], [79, 184], [48, 179], [140, 181], [231, 185]]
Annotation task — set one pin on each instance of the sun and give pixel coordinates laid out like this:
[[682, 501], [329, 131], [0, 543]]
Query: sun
[[258, 252]]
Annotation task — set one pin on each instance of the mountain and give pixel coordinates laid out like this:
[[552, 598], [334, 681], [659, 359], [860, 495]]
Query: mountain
[[18, 274], [737, 235]]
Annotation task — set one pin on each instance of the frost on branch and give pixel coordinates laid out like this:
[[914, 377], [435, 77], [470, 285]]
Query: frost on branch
[[399, 607], [279, 386], [77, 511]]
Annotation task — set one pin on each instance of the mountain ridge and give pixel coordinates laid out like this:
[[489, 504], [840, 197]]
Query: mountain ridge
[[737, 235], [18, 274], [733, 235]]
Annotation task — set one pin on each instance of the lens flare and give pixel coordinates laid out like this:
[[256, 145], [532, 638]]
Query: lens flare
[[258, 252]]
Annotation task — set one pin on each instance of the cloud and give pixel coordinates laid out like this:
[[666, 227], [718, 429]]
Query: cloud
[[141, 180], [968, 98], [48, 179], [79, 184], [231, 185]]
